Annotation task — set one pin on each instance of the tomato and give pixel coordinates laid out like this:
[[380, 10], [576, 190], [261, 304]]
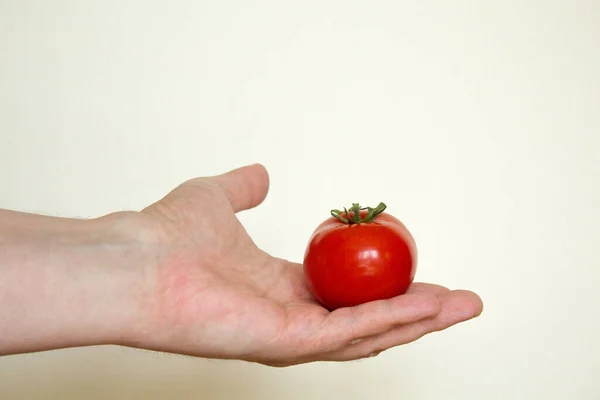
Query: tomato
[[359, 255]]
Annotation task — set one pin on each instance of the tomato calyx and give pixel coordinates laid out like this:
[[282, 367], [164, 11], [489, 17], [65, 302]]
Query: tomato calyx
[[356, 218]]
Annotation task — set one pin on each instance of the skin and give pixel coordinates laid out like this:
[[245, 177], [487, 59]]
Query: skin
[[183, 276]]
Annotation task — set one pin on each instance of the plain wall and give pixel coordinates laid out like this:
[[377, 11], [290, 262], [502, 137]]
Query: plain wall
[[476, 122]]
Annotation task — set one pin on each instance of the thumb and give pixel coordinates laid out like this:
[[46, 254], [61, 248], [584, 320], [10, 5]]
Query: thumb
[[246, 187]]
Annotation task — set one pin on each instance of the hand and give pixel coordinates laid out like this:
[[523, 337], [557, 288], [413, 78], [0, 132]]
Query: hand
[[212, 293]]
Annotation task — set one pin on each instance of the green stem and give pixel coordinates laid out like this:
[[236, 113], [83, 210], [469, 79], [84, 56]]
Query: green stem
[[356, 218]]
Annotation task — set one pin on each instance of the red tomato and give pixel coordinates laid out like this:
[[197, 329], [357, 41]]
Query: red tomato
[[356, 257]]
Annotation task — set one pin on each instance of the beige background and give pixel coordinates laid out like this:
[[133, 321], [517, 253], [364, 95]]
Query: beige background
[[476, 122]]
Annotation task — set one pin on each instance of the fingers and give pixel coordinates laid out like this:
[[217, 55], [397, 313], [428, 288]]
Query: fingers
[[350, 324], [456, 307], [418, 287], [246, 187]]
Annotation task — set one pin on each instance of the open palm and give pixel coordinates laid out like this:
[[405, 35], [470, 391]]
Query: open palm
[[215, 294]]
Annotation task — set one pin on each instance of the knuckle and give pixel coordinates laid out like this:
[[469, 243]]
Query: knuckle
[[371, 351]]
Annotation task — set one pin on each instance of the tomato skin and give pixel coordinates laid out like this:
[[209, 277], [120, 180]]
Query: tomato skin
[[350, 264]]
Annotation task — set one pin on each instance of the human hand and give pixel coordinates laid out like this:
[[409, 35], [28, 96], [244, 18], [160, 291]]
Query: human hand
[[211, 292]]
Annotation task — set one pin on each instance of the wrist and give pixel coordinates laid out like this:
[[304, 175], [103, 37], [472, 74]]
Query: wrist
[[119, 257], [67, 282]]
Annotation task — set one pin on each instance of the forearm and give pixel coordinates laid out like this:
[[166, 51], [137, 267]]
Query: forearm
[[65, 282]]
